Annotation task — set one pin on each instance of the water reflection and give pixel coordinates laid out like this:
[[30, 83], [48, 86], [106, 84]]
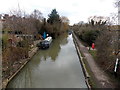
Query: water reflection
[[23, 79], [56, 67], [54, 50]]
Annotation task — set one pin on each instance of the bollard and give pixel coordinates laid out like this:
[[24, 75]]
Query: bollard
[[93, 45]]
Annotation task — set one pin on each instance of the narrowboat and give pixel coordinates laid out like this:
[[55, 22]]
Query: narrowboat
[[45, 43]]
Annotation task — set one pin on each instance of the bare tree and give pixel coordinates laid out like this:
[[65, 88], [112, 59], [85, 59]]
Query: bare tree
[[37, 15]]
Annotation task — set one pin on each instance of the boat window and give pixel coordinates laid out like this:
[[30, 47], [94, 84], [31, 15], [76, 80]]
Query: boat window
[[45, 42]]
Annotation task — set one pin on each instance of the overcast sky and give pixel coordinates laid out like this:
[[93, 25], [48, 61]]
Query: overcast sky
[[75, 10]]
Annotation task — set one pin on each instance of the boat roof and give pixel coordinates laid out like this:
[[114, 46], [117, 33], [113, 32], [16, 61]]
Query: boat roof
[[48, 38]]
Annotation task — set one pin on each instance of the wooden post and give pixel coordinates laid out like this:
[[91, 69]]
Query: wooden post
[[116, 66]]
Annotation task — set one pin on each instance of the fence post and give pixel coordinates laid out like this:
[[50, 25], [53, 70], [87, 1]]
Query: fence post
[[116, 66]]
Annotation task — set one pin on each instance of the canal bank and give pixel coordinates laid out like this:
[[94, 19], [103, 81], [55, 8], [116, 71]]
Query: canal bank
[[98, 78], [86, 74], [31, 53], [56, 67]]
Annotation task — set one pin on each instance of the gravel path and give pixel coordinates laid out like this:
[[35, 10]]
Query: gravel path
[[101, 77]]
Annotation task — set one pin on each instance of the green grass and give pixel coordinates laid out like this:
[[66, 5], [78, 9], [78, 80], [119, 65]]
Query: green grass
[[93, 53], [92, 80]]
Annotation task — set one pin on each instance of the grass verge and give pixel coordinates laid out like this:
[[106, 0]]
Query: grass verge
[[93, 53], [91, 80]]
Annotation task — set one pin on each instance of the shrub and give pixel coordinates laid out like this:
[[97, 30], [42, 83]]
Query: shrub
[[4, 41], [89, 36], [23, 43], [10, 56], [105, 56]]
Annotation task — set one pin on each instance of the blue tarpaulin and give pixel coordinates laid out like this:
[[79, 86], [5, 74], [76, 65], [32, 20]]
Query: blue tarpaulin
[[44, 35]]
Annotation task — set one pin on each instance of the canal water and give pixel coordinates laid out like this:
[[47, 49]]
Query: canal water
[[56, 67]]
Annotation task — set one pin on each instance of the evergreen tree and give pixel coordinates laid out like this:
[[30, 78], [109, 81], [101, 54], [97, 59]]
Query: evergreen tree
[[53, 17]]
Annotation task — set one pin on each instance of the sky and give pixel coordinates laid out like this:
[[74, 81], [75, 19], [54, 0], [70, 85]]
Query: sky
[[75, 10]]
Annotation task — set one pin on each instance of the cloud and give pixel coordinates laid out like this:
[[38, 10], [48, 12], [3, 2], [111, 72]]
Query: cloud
[[75, 10]]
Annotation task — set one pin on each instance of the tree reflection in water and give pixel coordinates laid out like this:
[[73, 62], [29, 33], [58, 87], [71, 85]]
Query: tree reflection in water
[[25, 81], [32, 66]]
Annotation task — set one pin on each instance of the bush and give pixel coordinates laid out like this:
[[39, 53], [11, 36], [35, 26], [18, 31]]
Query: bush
[[10, 56], [105, 57], [4, 41], [89, 36], [23, 43]]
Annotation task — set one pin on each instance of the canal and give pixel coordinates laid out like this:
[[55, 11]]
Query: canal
[[56, 67]]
